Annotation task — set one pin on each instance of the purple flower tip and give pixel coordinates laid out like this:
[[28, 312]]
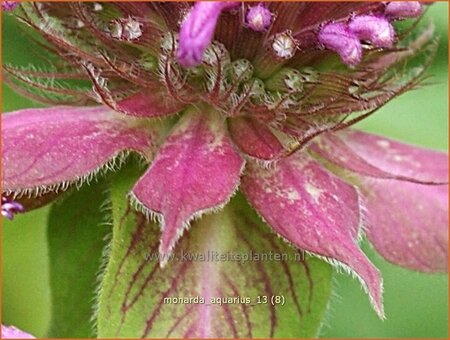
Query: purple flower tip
[[259, 18], [197, 31], [340, 39], [377, 30], [10, 208], [9, 5], [404, 9]]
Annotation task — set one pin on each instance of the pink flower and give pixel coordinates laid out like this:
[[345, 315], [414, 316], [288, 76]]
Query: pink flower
[[255, 114]]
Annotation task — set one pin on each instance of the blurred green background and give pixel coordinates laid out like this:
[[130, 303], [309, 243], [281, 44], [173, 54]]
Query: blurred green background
[[416, 304]]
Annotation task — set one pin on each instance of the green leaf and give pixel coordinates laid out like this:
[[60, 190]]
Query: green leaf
[[76, 238], [137, 296]]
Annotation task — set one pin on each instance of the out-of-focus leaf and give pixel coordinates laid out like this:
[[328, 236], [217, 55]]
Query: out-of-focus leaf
[[76, 238]]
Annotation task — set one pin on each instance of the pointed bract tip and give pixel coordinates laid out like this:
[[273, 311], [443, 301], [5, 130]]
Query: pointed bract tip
[[258, 18], [165, 254], [339, 38], [375, 29]]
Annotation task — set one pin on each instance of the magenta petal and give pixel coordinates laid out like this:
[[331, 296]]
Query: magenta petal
[[408, 223], [50, 146], [254, 138], [150, 102], [10, 332], [377, 156], [196, 171], [315, 211]]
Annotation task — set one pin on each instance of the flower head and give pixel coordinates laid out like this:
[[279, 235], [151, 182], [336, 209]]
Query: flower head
[[265, 106], [259, 18]]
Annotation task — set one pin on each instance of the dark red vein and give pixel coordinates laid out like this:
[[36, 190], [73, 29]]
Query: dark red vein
[[229, 317], [310, 282], [180, 320], [244, 307], [267, 287], [134, 241], [178, 276], [290, 280]]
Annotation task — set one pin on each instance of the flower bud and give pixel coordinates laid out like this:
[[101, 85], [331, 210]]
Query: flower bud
[[340, 39], [259, 18], [376, 30], [404, 9], [126, 29], [284, 45]]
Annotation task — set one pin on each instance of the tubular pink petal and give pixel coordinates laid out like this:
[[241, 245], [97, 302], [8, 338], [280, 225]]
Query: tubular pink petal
[[316, 211], [408, 223], [11, 332], [259, 18], [375, 29], [196, 171], [340, 39], [58, 145], [403, 9], [197, 30]]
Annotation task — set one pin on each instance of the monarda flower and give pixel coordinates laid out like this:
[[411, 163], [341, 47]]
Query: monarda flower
[[221, 97]]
